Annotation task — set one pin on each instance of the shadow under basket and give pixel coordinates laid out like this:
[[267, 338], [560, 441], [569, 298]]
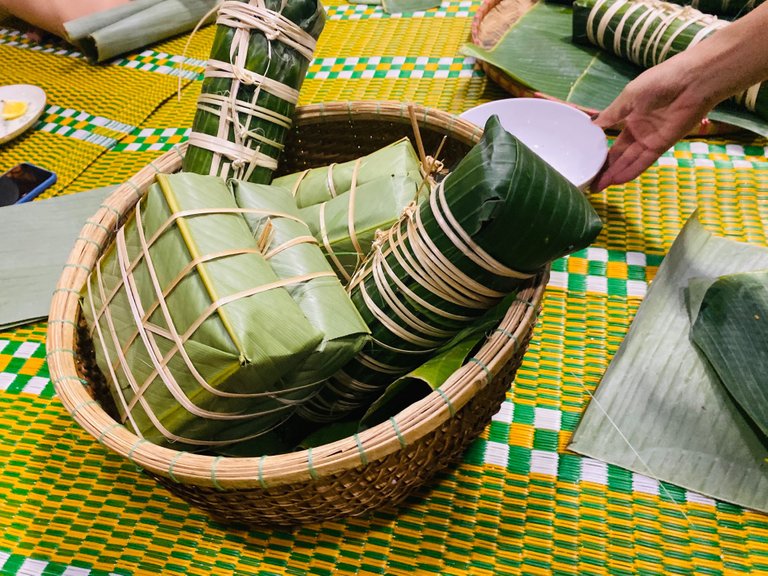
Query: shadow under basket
[[377, 467]]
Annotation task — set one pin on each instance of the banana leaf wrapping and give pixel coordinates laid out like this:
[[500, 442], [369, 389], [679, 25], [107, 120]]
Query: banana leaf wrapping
[[260, 55], [346, 225], [647, 32], [729, 8], [318, 185], [495, 221], [293, 252], [178, 308]]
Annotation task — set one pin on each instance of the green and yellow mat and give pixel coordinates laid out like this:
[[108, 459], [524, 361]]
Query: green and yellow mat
[[519, 503]]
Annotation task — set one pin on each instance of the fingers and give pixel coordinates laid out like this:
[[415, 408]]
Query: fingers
[[627, 165], [605, 177]]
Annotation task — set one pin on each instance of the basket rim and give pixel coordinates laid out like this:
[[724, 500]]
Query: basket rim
[[407, 427], [706, 127]]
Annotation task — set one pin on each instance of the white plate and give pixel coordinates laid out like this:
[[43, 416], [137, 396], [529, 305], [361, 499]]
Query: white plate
[[35, 99], [562, 135]]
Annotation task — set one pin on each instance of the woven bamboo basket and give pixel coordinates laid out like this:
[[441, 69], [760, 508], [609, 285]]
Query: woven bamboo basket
[[495, 17], [380, 466]]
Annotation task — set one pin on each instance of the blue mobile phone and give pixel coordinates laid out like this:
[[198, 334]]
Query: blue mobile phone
[[23, 182]]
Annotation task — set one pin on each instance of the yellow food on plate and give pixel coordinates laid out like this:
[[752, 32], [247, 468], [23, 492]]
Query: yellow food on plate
[[12, 109]]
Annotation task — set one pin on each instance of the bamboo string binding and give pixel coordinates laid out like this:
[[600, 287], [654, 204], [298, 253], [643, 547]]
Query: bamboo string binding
[[377, 467]]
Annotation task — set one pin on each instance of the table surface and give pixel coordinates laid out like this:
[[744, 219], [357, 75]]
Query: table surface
[[519, 502]]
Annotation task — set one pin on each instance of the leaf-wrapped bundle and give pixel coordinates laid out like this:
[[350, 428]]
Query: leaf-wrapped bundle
[[260, 55], [293, 252], [496, 220], [193, 330], [321, 184], [346, 225], [647, 32], [729, 8]]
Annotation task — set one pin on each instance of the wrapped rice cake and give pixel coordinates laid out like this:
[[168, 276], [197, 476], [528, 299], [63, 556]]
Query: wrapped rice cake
[[346, 225], [493, 223], [193, 330], [259, 58], [322, 184], [293, 252]]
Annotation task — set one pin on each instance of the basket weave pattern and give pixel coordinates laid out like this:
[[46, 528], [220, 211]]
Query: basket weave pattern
[[382, 465]]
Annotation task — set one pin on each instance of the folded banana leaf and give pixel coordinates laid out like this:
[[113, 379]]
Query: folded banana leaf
[[648, 33], [581, 74], [192, 328], [260, 55], [293, 252], [730, 328], [499, 217], [109, 33], [728, 8], [346, 225], [318, 185], [660, 409]]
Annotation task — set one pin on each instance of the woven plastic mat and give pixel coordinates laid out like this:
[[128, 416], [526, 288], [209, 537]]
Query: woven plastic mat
[[519, 503]]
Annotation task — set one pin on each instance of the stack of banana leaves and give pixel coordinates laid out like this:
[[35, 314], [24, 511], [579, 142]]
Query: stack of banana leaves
[[647, 32], [260, 56], [492, 224]]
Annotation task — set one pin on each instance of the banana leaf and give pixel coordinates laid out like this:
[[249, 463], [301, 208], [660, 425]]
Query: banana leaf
[[580, 74], [192, 328], [293, 253], [241, 122], [318, 185], [375, 205], [676, 421], [730, 328], [650, 33], [35, 240], [502, 213], [109, 33]]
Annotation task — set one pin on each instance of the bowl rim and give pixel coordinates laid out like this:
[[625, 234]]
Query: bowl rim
[[590, 130]]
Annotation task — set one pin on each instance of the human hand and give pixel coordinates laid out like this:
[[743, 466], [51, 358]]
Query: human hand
[[655, 110]]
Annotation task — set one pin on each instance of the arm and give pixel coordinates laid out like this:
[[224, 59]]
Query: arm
[[665, 102], [50, 15]]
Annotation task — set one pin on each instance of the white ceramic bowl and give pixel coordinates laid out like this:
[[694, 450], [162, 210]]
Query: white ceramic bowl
[[562, 135]]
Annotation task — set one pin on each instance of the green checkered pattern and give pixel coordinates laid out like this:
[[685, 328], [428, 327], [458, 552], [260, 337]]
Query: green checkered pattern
[[392, 67], [364, 11]]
